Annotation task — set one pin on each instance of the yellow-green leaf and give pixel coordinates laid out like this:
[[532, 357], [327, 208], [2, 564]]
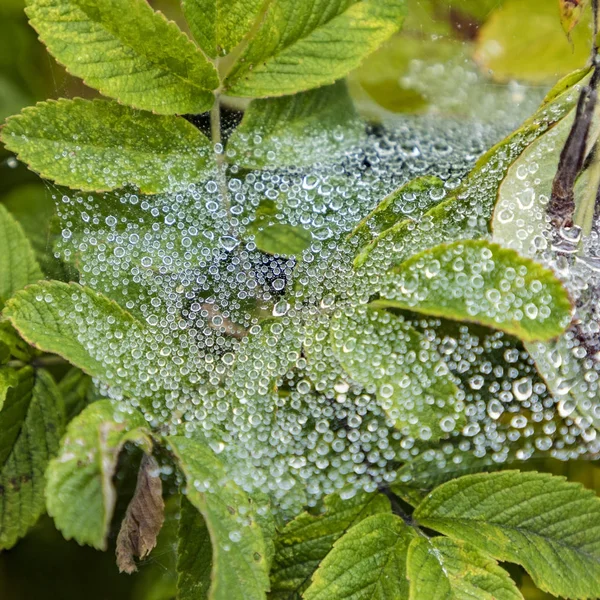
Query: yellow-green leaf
[[220, 25], [99, 145], [480, 282], [297, 45], [368, 562], [239, 559], [442, 569], [541, 52], [306, 541], [80, 495], [128, 52], [542, 522]]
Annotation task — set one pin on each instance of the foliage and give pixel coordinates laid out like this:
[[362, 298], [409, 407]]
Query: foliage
[[93, 386]]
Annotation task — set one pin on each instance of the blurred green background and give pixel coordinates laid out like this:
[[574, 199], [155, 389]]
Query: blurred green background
[[485, 60]]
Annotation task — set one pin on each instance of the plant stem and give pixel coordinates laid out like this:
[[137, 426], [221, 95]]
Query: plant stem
[[215, 132], [400, 512]]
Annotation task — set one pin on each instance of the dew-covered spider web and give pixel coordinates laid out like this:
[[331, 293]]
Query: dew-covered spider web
[[278, 362]]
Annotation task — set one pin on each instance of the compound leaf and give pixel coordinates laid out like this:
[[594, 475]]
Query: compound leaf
[[80, 495], [481, 282], [239, 560], [369, 561], [296, 46], [542, 522], [443, 569], [128, 52], [18, 266], [220, 25], [79, 324], [99, 145], [306, 541]]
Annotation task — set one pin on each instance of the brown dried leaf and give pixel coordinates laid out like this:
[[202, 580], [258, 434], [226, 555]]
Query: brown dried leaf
[[570, 13], [143, 519]]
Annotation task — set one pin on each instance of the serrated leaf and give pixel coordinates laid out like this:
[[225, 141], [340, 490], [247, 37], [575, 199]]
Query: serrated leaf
[[220, 25], [128, 52], [467, 212], [33, 419], [544, 523], [99, 145], [296, 46], [8, 379], [50, 316], [306, 541], [239, 566], [442, 569], [299, 130], [80, 494], [481, 282], [368, 562], [412, 200], [541, 52], [384, 352], [144, 517], [194, 554], [18, 266]]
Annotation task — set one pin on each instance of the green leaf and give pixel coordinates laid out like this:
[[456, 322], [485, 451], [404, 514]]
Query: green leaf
[[544, 523], [220, 25], [99, 145], [239, 566], [306, 541], [33, 420], [128, 52], [49, 315], [8, 379], [299, 130], [467, 212], [194, 554], [410, 200], [384, 352], [541, 52], [442, 569], [281, 239], [80, 495], [269, 352], [296, 46], [481, 282], [368, 562], [18, 386], [18, 266]]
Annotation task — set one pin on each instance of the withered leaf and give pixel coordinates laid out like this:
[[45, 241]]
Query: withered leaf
[[570, 13], [143, 519]]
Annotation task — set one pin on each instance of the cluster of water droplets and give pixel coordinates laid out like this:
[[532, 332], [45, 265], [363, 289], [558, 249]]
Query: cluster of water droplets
[[233, 345]]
